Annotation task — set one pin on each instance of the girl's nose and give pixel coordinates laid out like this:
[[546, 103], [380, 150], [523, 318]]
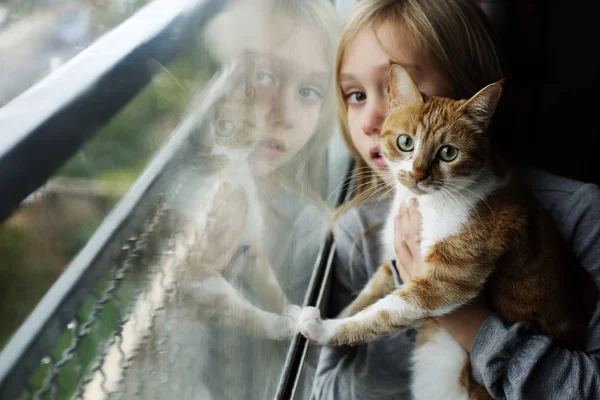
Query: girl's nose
[[374, 115]]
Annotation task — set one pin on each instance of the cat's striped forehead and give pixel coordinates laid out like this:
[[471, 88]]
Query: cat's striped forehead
[[437, 117]]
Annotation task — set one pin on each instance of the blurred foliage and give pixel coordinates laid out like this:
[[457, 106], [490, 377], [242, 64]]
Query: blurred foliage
[[41, 238], [126, 144]]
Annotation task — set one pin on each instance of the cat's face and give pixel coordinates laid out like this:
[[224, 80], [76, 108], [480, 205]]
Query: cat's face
[[436, 143], [233, 125]]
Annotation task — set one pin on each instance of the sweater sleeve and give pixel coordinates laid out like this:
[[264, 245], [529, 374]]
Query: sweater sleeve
[[517, 362]]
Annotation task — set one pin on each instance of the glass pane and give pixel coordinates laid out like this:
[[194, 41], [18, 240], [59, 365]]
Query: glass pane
[[205, 309], [53, 224], [252, 209], [37, 36]]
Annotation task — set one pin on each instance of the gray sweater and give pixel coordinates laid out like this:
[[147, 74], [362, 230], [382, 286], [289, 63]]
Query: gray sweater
[[511, 361]]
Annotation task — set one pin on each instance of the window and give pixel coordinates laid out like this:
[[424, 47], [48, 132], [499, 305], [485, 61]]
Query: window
[[170, 188]]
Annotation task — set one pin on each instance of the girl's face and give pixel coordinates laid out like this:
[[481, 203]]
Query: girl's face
[[292, 76], [364, 77]]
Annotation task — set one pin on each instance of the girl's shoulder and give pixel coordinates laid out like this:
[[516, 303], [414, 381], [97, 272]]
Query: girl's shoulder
[[575, 209], [560, 195], [542, 181]]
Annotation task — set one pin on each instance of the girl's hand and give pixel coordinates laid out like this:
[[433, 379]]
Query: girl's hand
[[224, 226], [407, 241]]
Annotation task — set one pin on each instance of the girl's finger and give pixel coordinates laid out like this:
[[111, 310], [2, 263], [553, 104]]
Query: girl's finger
[[404, 222], [412, 227], [415, 215], [403, 253], [404, 275], [409, 228], [399, 238], [398, 235]]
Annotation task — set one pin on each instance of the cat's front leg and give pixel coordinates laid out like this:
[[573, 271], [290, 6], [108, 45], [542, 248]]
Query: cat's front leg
[[217, 296], [386, 316], [380, 285], [262, 277], [409, 306]]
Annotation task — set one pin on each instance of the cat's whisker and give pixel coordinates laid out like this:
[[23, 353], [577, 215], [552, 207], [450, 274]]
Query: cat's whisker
[[383, 195], [451, 198], [377, 190], [367, 192], [456, 202], [366, 195], [367, 184], [442, 197], [485, 171], [470, 202], [458, 180], [474, 193], [337, 189]]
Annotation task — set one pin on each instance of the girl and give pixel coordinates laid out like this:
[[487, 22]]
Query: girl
[[447, 47]]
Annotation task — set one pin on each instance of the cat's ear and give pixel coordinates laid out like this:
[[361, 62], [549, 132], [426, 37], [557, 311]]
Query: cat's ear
[[402, 88], [483, 104]]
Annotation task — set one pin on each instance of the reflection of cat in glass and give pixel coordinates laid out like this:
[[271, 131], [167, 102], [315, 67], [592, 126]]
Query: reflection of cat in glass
[[234, 207]]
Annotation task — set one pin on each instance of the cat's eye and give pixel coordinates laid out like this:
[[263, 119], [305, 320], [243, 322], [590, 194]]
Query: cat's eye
[[405, 143], [447, 153], [225, 128]]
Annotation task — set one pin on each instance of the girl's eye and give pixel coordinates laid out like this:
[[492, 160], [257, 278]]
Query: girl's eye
[[310, 94], [447, 153], [356, 97], [265, 79], [405, 143]]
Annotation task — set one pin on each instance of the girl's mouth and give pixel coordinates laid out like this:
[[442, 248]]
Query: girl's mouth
[[376, 156], [270, 148]]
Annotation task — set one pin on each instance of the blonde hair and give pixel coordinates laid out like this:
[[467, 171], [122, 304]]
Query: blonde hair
[[455, 35]]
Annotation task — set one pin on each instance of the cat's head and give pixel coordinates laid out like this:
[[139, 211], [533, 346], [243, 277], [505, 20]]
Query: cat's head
[[435, 143], [233, 122]]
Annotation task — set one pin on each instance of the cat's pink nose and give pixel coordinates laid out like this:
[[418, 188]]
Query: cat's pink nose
[[418, 174]]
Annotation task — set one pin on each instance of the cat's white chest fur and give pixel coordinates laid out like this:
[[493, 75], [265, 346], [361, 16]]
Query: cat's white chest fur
[[443, 214]]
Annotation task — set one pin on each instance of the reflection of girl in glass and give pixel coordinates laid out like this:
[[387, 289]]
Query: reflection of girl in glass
[[291, 45]]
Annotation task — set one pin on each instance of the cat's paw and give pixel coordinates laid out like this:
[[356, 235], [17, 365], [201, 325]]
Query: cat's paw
[[292, 315], [287, 323], [311, 325]]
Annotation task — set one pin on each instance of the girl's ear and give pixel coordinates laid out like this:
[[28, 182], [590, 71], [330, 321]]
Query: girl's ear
[[402, 88]]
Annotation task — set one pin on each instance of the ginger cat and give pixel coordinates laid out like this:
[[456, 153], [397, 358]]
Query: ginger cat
[[482, 233], [234, 204]]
